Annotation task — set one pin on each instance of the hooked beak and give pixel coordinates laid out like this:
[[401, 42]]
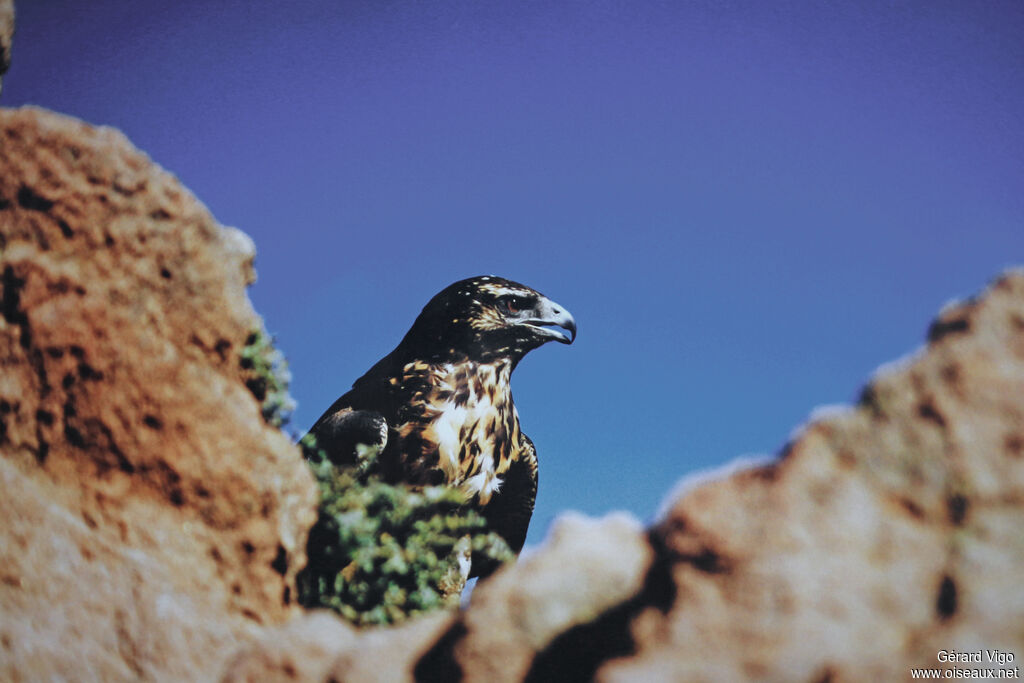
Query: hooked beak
[[553, 322]]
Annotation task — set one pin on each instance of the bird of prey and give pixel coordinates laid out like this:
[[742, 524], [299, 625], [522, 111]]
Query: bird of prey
[[438, 409]]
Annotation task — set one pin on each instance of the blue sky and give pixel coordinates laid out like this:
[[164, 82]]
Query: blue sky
[[748, 206]]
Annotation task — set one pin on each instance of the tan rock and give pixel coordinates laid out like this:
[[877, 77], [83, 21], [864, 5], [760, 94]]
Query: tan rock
[[578, 583], [319, 647], [152, 518], [515, 620], [885, 534], [304, 650]]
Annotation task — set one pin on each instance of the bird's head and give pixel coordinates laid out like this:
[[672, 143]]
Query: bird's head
[[486, 318]]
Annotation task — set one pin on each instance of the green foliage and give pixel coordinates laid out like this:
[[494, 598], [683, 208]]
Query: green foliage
[[267, 377], [381, 552]]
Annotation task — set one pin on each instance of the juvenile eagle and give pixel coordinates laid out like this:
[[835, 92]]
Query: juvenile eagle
[[438, 409]]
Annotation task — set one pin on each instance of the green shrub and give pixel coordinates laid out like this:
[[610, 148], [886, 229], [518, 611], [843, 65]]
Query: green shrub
[[381, 552], [267, 377]]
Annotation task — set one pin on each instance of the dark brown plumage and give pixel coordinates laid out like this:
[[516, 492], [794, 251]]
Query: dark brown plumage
[[438, 409]]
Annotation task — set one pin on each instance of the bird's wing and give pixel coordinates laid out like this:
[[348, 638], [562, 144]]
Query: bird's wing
[[509, 512], [349, 436]]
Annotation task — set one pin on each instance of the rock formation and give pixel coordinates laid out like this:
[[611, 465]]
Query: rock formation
[[154, 519], [883, 535]]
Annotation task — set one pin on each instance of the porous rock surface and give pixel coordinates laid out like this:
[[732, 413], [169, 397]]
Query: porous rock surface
[[152, 521]]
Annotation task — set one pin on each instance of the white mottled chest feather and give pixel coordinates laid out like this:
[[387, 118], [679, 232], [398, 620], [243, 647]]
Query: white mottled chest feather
[[465, 430]]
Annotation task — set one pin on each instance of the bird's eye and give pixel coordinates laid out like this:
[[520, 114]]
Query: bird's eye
[[512, 304]]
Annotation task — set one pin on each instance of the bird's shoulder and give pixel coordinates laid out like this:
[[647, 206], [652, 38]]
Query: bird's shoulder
[[347, 435], [388, 395]]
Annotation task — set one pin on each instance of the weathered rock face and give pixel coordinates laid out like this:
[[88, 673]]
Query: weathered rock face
[[885, 533], [152, 520]]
